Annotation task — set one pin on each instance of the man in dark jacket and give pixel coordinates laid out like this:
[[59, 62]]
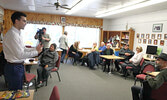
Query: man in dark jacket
[[126, 53], [152, 82]]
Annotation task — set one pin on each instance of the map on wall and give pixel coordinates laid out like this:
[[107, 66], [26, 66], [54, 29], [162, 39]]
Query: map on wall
[[1, 14]]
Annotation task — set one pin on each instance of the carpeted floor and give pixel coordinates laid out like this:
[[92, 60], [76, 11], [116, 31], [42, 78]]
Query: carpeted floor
[[81, 83]]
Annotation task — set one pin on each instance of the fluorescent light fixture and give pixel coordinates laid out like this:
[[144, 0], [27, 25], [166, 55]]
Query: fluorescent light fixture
[[79, 5], [31, 8], [131, 7]]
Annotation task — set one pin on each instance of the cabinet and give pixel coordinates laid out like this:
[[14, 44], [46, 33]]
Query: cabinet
[[107, 34], [127, 37]]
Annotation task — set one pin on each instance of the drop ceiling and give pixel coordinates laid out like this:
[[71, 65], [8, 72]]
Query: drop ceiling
[[89, 10]]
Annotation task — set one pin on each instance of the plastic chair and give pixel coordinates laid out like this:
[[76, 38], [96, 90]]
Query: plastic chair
[[55, 69], [29, 77], [55, 94], [146, 68]]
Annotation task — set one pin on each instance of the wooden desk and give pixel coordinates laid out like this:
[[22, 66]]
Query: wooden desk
[[85, 51], [111, 57], [59, 51], [29, 98], [149, 59]]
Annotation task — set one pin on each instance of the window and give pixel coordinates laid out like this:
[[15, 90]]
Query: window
[[30, 30], [86, 36]]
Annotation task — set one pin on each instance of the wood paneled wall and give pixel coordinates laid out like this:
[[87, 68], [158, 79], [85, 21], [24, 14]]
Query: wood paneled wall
[[51, 18]]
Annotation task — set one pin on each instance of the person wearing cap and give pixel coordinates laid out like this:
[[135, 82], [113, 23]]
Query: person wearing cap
[[107, 51], [153, 82], [45, 38], [47, 61], [126, 53]]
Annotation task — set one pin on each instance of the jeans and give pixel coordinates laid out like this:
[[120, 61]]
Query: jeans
[[63, 54]]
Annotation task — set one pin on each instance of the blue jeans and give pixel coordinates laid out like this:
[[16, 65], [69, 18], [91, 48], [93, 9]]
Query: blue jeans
[[63, 54], [14, 75]]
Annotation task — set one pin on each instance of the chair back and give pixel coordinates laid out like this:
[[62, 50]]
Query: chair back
[[160, 93], [148, 67], [116, 53], [58, 62], [55, 94], [141, 62]]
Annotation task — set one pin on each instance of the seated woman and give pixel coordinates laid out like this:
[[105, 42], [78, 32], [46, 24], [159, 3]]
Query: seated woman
[[48, 60], [107, 51], [134, 61], [73, 52]]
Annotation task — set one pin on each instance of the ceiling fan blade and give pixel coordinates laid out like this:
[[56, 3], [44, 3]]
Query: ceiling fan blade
[[65, 7], [48, 6]]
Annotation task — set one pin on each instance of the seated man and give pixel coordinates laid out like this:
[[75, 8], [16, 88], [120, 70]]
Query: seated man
[[47, 61], [107, 51], [102, 48], [153, 82], [133, 62], [125, 53]]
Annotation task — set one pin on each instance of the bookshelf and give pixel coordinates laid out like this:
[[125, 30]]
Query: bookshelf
[[127, 37]]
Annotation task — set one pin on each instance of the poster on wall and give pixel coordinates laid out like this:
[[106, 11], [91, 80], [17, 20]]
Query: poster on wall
[[144, 41], [142, 36], [139, 40], [149, 41], [159, 36], [153, 36], [162, 42], [147, 36], [155, 42], [137, 36], [165, 36]]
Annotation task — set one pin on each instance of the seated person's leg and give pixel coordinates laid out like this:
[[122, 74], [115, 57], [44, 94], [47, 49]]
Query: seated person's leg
[[124, 68], [135, 92], [116, 64], [40, 75], [28, 68]]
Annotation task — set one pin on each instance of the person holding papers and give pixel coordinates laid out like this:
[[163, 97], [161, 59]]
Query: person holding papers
[[153, 82]]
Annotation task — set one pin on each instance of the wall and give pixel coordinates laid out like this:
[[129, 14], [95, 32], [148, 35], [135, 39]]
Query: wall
[[51, 18], [142, 23]]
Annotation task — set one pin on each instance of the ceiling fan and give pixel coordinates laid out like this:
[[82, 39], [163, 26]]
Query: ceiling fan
[[57, 5]]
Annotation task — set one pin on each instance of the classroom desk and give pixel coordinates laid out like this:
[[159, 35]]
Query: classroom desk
[[111, 57], [29, 98], [149, 58], [85, 51]]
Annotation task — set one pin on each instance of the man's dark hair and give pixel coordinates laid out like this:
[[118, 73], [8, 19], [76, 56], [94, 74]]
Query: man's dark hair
[[54, 45], [17, 15], [43, 28]]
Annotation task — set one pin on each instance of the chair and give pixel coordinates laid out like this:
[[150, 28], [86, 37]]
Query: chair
[[130, 68], [159, 51], [55, 69], [116, 53], [142, 75], [155, 94], [29, 77], [55, 94], [68, 57]]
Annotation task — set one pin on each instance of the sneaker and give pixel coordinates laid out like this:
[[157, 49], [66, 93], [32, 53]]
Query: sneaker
[[40, 85]]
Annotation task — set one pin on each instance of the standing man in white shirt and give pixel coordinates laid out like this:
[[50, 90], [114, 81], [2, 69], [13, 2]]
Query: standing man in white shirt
[[63, 45], [15, 52]]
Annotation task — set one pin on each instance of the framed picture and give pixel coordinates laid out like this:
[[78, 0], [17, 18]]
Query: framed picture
[[155, 42], [142, 36], [147, 36], [139, 40], [149, 41], [157, 27], [159, 36], [63, 20], [153, 36], [137, 36], [165, 36], [144, 41], [162, 42]]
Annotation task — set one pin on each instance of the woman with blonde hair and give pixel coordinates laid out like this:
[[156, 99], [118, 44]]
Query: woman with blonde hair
[[73, 52], [134, 61]]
